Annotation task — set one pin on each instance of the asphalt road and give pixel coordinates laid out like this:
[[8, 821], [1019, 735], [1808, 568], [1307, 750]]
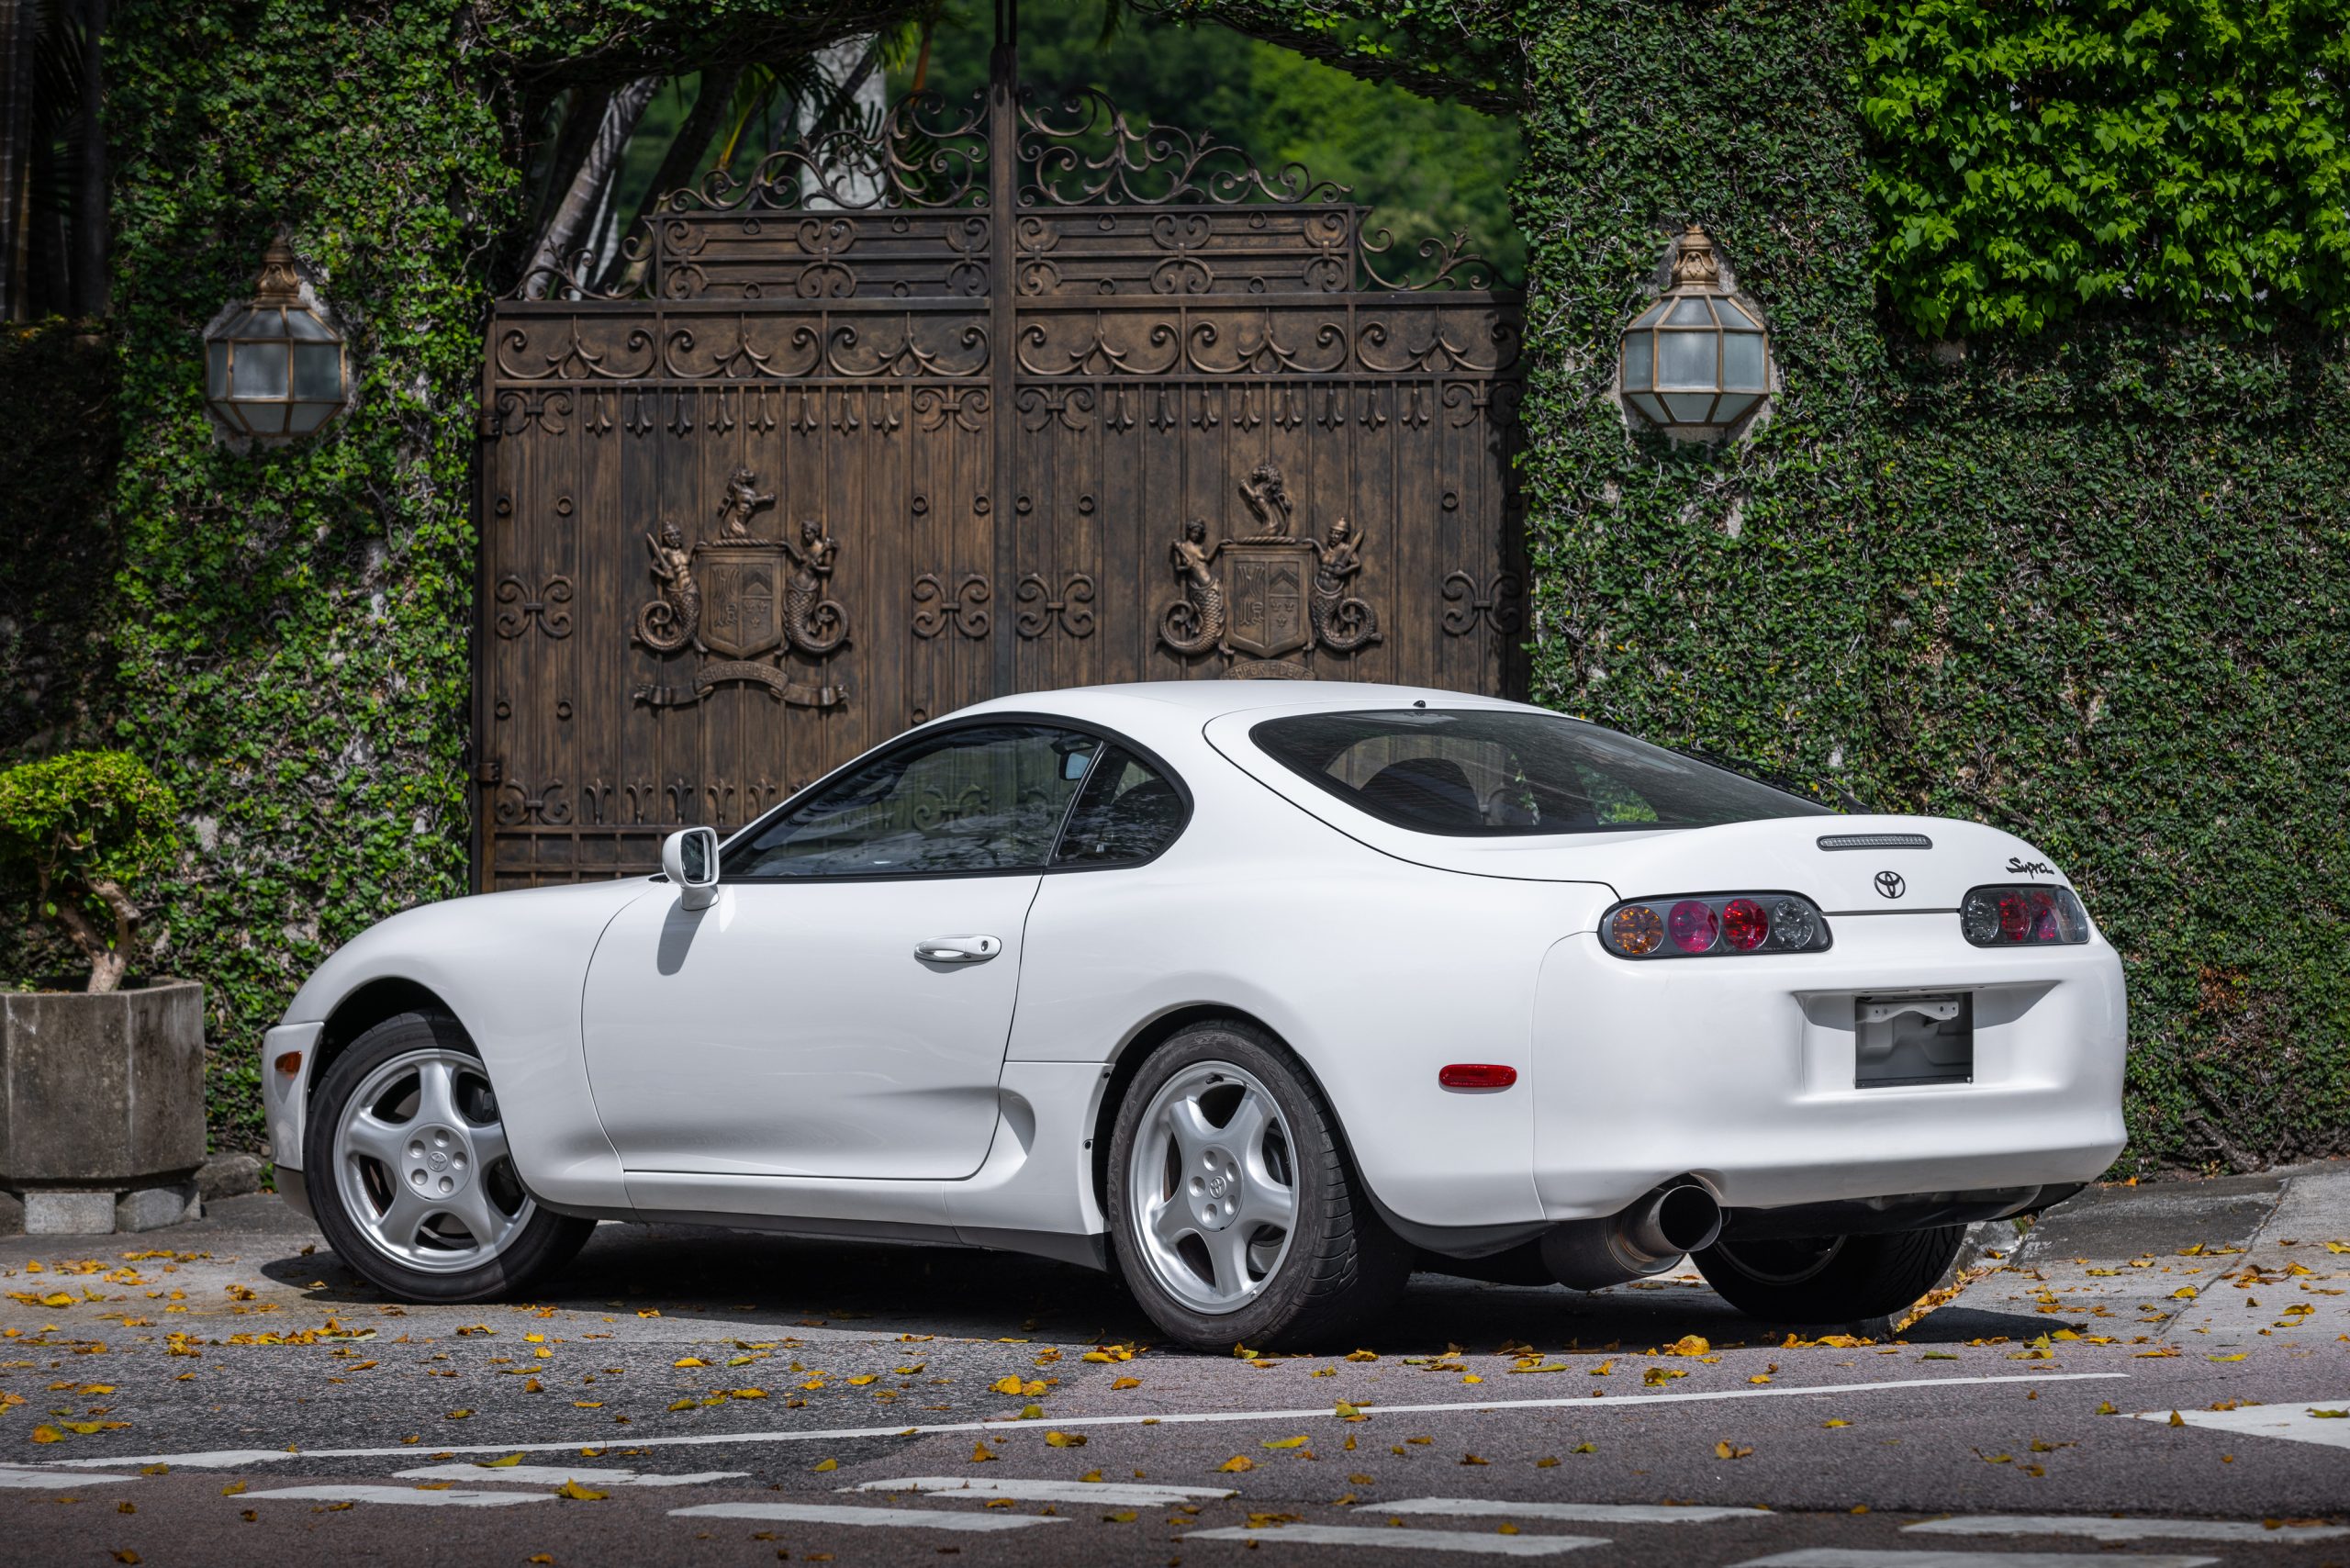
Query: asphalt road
[[698, 1397]]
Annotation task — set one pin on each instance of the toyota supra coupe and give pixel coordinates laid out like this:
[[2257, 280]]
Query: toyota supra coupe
[[1263, 995]]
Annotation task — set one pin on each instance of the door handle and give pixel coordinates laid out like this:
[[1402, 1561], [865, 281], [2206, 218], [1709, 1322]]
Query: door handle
[[958, 949]]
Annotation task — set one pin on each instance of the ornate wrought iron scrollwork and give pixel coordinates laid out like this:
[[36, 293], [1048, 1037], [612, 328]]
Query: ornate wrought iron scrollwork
[[1042, 609], [1499, 604], [526, 605], [925, 152], [1082, 150], [963, 609]]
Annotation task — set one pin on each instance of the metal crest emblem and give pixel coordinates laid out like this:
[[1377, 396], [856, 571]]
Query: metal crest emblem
[[1890, 884], [1263, 596]]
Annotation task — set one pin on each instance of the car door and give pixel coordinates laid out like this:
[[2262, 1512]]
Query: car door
[[842, 1008]]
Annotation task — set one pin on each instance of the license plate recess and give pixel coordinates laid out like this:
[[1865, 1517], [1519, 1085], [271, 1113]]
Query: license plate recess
[[1910, 1040]]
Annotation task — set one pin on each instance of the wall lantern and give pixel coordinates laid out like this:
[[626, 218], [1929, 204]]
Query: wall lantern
[[274, 369], [1697, 361]]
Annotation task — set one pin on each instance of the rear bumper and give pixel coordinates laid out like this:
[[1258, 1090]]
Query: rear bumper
[[1741, 1072]]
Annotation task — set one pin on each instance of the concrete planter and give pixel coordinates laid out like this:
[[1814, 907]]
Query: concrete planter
[[102, 1106]]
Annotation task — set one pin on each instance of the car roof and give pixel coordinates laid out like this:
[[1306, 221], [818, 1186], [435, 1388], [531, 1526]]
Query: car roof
[[1191, 704]]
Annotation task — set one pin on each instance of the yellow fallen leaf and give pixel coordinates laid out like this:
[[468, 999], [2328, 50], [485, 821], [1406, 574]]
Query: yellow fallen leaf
[[1127, 1382], [91, 1429], [980, 1453], [1119, 1518], [1688, 1345], [1346, 1411], [1296, 1442], [459, 1415], [1658, 1376], [1064, 1440], [1584, 1447], [1032, 1412], [1725, 1450], [746, 1393], [1759, 1377], [1602, 1369], [2237, 1356], [1548, 1461], [1836, 1421], [507, 1463], [1363, 1355], [233, 1489], [1474, 1458], [689, 1361], [1237, 1463], [2184, 1292], [586, 1404], [2330, 1415], [823, 1464], [2176, 1420], [1473, 1377], [861, 1379], [578, 1494]]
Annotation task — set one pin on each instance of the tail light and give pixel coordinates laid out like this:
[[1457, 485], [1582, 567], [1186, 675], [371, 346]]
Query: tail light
[[2022, 917], [1704, 924]]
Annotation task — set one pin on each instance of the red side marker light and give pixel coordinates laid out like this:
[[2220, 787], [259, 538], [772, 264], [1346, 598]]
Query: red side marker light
[[1476, 1075], [289, 1062]]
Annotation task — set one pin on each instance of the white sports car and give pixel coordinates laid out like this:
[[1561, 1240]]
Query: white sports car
[[1262, 994]]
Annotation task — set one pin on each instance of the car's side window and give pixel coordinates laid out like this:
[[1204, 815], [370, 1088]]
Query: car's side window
[[1127, 811], [983, 798]]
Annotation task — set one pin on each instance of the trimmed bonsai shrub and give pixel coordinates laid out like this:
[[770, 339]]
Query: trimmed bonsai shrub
[[85, 828]]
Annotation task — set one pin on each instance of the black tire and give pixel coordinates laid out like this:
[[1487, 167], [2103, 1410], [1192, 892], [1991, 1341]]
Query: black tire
[[1830, 1279], [545, 1242], [1341, 1267]]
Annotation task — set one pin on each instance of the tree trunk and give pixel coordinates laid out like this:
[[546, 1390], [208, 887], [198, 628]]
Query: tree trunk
[[853, 90], [90, 214], [19, 27], [566, 230], [109, 960], [682, 160]]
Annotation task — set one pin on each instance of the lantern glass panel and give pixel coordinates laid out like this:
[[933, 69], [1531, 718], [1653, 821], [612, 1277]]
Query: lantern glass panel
[[1691, 312], [1686, 359], [1735, 318], [216, 370], [318, 372], [1689, 407], [1733, 407], [1646, 403], [258, 370], [1651, 316], [302, 324], [1743, 359], [265, 419], [1639, 359], [308, 417]]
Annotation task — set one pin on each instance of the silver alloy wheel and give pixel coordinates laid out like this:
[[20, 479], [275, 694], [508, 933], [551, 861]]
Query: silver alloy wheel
[[422, 1165], [1212, 1187]]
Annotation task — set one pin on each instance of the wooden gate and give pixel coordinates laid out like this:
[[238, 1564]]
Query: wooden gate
[[863, 441]]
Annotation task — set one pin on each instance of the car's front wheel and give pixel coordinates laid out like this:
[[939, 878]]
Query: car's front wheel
[[410, 1174], [1830, 1279], [1234, 1213]]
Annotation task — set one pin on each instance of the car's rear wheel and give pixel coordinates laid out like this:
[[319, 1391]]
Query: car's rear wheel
[[411, 1176], [1830, 1279], [1234, 1213]]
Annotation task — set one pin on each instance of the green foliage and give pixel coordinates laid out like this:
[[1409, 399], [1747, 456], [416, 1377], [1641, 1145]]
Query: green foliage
[[1433, 169], [2090, 590], [2034, 159], [86, 829]]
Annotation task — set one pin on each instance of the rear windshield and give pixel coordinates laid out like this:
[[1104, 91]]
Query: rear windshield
[[1480, 772]]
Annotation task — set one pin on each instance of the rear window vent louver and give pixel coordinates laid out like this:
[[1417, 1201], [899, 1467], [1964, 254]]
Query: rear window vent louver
[[1875, 841]]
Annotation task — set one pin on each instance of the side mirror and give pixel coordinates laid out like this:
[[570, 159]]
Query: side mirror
[[689, 859]]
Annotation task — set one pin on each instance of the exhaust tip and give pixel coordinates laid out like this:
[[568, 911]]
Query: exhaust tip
[[1687, 1218]]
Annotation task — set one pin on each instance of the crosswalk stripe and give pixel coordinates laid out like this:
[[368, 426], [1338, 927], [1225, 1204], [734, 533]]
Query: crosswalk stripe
[[2108, 1528], [845, 1514], [1132, 1493], [1579, 1513], [1404, 1539], [405, 1496], [54, 1480], [1852, 1557], [2296, 1422], [556, 1474]]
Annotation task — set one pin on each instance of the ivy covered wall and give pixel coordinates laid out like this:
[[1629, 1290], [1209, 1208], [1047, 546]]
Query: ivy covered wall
[[2089, 586], [2082, 584]]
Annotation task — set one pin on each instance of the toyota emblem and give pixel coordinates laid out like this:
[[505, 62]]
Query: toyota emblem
[[1890, 884]]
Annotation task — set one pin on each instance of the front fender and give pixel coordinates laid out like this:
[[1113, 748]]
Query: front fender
[[510, 967]]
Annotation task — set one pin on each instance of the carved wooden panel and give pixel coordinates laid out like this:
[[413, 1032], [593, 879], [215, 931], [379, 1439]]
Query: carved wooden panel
[[1041, 398]]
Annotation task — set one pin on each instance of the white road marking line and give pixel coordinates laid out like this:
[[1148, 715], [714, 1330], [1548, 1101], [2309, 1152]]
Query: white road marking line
[[844, 1514], [1128, 1491], [2292, 1421], [228, 1459], [408, 1496], [1408, 1540], [1580, 1513], [54, 1480], [2106, 1528], [556, 1474], [1851, 1557]]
